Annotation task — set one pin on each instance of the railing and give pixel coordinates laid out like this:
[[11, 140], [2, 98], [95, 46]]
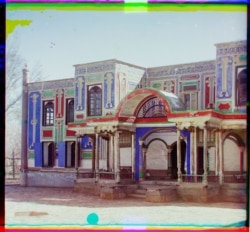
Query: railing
[[126, 176], [192, 178], [85, 174], [107, 175], [235, 178]]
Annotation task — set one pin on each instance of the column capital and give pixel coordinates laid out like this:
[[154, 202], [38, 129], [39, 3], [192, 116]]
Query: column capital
[[242, 148], [179, 125], [141, 142]]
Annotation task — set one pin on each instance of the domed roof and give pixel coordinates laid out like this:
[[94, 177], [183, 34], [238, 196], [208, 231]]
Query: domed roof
[[175, 102]]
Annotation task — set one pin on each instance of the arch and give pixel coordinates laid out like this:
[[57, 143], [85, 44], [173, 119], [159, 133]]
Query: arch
[[132, 103], [233, 152], [156, 155], [232, 135], [147, 145], [48, 113], [152, 131]]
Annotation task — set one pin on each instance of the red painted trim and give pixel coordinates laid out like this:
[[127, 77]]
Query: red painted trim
[[104, 119], [47, 133], [70, 133], [76, 125], [79, 116], [151, 120]]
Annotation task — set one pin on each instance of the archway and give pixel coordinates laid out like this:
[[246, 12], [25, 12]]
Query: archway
[[156, 155]]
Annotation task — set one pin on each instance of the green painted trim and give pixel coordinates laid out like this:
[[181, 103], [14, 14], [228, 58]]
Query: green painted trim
[[141, 174], [31, 155], [243, 57], [157, 85], [48, 94], [86, 155], [70, 92]]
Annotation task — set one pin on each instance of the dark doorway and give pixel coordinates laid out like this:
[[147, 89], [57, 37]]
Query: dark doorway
[[48, 154], [70, 154], [174, 169], [200, 167]]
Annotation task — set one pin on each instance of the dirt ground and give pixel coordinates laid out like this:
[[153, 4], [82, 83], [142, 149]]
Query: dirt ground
[[41, 206], [67, 197]]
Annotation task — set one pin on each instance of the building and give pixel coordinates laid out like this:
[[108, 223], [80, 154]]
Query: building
[[116, 122]]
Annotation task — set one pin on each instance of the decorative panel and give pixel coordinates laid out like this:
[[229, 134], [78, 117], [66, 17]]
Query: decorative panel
[[209, 92], [224, 77], [38, 154], [109, 90], [34, 118], [47, 133], [70, 133], [169, 86], [79, 93], [61, 154]]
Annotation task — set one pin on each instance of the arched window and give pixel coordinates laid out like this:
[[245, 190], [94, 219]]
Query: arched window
[[241, 88], [69, 110], [48, 113], [94, 100]]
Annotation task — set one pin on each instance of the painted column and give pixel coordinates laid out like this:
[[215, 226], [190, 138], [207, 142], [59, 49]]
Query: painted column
[[141, 162], [217, 153], [179, 155], [24, 144], [242, 148], [111, 158], [195, 152], [221, 163], [117, 157], [76, 157], [205, 155], [169, 164], [133, 155], [96, 158], [108, 153], [192, 150]]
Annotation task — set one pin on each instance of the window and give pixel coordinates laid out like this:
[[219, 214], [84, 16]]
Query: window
[[94, 100], [191, 100], [69, 110], [48, 113], [241, 88]]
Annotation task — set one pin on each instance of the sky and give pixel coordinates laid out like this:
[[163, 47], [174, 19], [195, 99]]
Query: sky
[[57, 39]]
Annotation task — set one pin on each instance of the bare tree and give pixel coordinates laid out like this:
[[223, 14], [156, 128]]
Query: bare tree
[[14, 65], [13, 103], [12, 165]]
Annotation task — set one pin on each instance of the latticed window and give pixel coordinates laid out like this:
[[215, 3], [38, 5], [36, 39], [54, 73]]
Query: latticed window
[[153, 108], [94, 101], [48, 113], [69, 110], [125, 140]]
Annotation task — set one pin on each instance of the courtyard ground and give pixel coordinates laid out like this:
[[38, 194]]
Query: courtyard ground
[[42, 206]]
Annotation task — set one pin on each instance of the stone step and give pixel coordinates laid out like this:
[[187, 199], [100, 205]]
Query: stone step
[[140, 191], [135, 195]]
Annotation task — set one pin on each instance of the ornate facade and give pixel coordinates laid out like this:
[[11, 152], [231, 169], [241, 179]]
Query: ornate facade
[[119, 122]]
